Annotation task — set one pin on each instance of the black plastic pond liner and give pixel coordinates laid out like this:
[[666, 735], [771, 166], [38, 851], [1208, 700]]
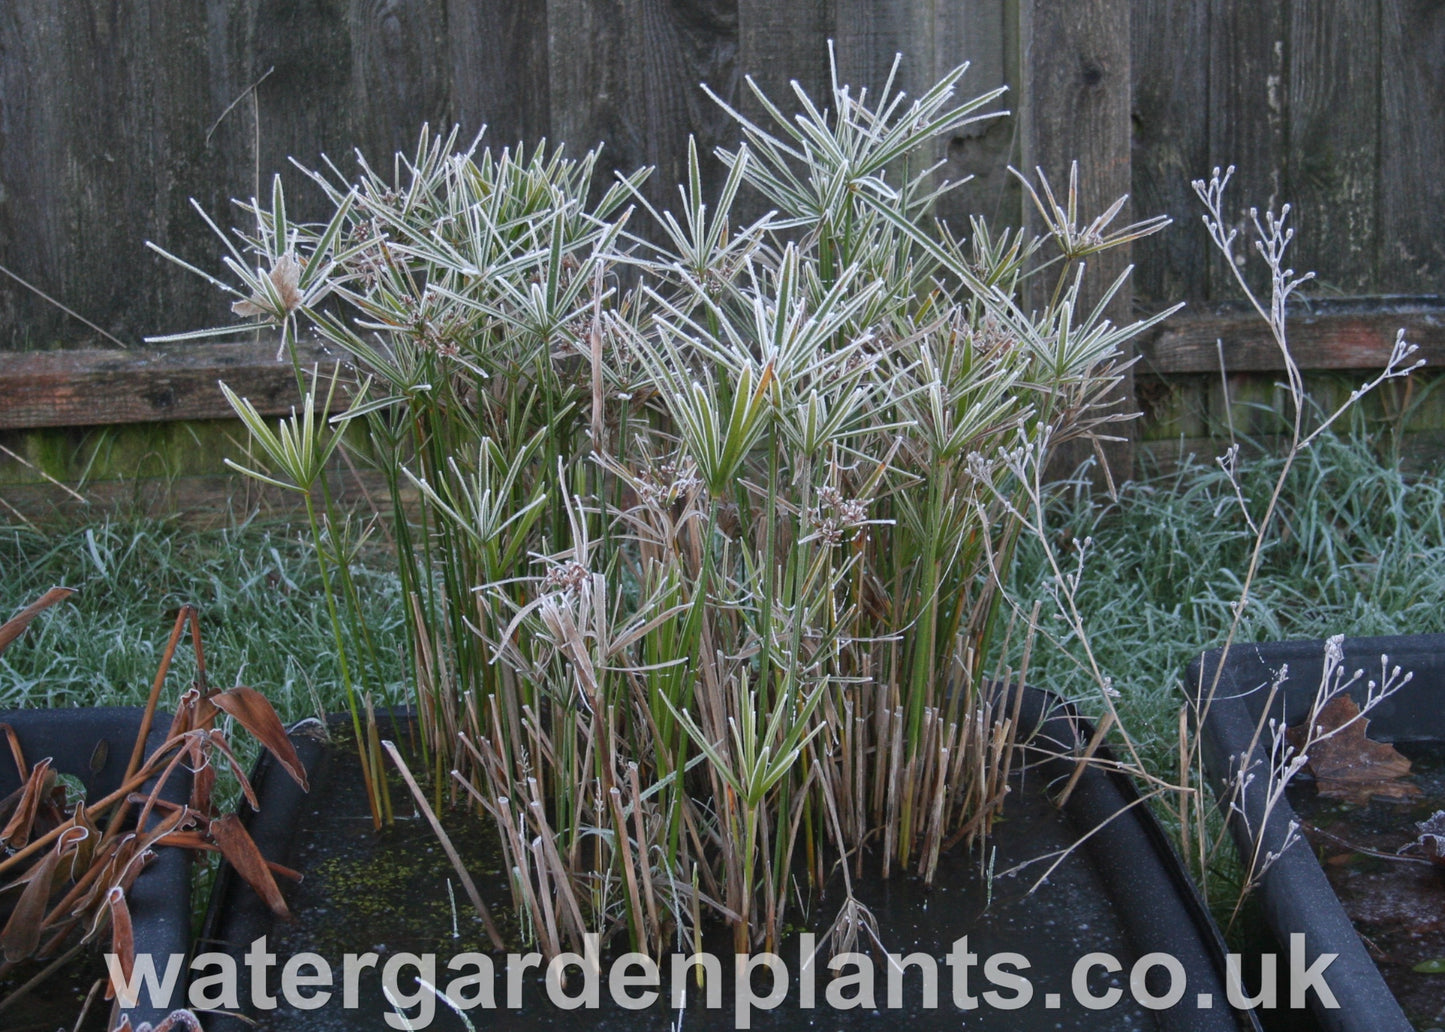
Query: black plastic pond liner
[[1155, 898], [160, 898], [1294, 895], [1123, 893]]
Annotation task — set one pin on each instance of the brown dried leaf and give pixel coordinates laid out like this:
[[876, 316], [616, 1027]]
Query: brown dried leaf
[[122, 937], [240, 850], [15, 626], [135, 860], [78, 842], [176, 818], [113, 864], [190, 747], [254, 712], [193, 711], [1348, 765], [21, 934], [33, 793], [16, 753], [120, 867], [203, 784], [217, 741]]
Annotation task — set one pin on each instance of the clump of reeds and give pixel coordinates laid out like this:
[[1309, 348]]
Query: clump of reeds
[[699, 523]]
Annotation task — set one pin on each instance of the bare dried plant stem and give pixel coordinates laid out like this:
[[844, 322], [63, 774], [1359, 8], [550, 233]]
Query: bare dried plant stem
[[64, 308], [466, 879], [1273, 238], [187, 611]]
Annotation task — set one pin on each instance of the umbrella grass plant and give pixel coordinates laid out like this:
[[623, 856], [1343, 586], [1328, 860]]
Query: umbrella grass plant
[[699, 522]]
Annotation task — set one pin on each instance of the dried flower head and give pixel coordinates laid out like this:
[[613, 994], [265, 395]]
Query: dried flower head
[[283, 299], [568, 576], [666, 482], [835, 517]]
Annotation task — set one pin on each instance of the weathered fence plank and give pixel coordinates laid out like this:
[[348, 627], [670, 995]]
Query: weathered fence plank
[[1075, 70], [1246, 119], [782, 43], [628, 72], [113, 115], [588, 68], [985, 33], [100, 146], [867, 33], [1339, 108], [95, 387], [1171, 146], [341, 77], [1333, 99], [500, 69], [1411, 237], [1076, 76]]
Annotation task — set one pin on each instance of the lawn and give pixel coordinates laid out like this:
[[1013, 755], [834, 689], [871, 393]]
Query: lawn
[[1359, 550], [263, 615]]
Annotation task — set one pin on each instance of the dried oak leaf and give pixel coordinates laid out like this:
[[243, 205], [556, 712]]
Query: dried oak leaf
[[1346, 764]]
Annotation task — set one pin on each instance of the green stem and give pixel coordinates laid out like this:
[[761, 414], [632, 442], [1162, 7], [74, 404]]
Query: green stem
[[372, 792]]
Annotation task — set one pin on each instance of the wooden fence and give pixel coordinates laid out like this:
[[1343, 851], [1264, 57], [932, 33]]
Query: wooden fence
[[114, 115]]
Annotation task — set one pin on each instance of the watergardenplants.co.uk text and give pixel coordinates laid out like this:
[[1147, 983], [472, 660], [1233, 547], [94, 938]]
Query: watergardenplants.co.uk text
[[415, 984]]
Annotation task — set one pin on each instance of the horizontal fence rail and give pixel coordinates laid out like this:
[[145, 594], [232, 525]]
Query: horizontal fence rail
[[145, 385], [101, 387], [1352, 334]]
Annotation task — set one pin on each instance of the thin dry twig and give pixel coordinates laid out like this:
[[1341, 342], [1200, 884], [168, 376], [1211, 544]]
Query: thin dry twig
[[466, 879]]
